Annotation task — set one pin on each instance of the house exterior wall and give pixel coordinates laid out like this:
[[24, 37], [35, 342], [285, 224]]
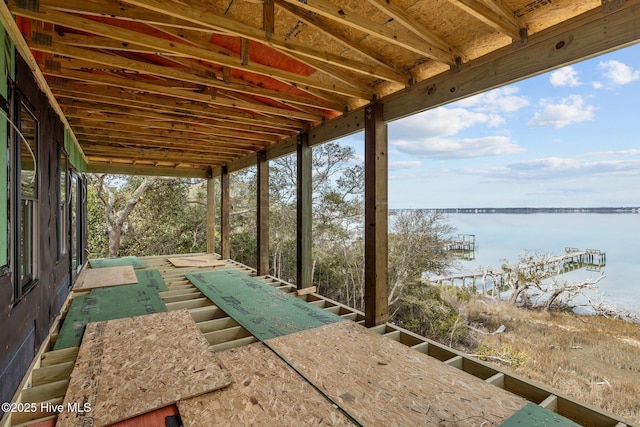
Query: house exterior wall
[[25, 322]]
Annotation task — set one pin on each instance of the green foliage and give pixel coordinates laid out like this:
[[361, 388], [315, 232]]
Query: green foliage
[[423, 310], [169, 218], [416, 247], [97, 228]]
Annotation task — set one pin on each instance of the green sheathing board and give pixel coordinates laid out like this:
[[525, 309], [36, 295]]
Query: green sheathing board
[[533, 415], [263, 310], [117, 262], [114, 302], [7, 71], [75, 155]]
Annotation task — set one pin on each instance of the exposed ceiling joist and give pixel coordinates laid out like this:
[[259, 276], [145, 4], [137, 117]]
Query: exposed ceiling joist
[[345, 17], [162, 45], [198, 76], [497, 17]]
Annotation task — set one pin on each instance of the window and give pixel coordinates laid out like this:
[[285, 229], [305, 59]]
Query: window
[[24, 210], [75, 211], [63, 210]]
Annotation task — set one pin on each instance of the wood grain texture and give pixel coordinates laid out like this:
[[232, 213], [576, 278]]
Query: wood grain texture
[[196, 261], [381, 382], [265, 392], [91, 278], [128, 367]]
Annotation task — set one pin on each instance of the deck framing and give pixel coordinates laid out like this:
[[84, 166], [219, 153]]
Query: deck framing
[[46, 381]]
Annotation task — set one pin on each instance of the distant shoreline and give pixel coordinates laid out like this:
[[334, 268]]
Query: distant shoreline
[[601, 210]]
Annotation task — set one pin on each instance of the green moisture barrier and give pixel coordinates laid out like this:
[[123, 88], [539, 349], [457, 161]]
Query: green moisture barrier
[[263, 310], [533, 415], [7, 71], [113, 302], [75, 155], [117, 262]]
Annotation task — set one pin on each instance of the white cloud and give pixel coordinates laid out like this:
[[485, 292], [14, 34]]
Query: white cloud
[[617, 153], [565, 76], [462, 148], [597, 85], [502, 100], [618, 73], [437, 122], [570, 110], [403, 165], [554, 168]]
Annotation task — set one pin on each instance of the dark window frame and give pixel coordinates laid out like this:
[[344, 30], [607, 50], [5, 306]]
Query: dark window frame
[[24, 260]]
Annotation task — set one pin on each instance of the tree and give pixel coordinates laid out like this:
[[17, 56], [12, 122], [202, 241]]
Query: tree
[[118, 206], [131, 215], [416, 247], [533, 281], [337, 198]]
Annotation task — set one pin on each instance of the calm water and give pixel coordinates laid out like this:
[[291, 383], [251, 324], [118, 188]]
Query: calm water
[[507, 236]]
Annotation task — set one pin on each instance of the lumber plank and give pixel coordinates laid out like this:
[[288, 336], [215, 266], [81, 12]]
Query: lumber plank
[[150, 352], [379, 381]]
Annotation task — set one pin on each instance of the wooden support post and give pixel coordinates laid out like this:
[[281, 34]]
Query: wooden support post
[[263, 213], [376, 233], [303, 229], [211, 215], [225, 228], [268, 18]]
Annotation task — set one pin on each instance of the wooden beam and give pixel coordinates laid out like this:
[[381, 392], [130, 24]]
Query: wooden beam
[[376, 234], [123, 123], [118, 150], [225, 227], [263, 213], [183, 111], [164, 45], [339, 14], [303, 212], [120, 10], [411, 24], [59, 47], [590, 34], [268, 18], [497, 17], [202, 14], [318, 24], [131, 83], [211, 215], [147, 170]]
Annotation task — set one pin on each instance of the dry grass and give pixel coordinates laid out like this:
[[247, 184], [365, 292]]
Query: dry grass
[[593, 359]]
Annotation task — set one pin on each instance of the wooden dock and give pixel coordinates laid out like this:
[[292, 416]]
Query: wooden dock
[[572, 259], [464, 247]]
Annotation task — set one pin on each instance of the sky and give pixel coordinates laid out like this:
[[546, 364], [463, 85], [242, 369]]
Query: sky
[[567, 138]]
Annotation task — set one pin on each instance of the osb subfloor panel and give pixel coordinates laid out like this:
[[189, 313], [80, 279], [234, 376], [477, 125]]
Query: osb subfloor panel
[[265, 392], [91, 278], [131, 366], [196, 261], [133, 261], [382, 382]]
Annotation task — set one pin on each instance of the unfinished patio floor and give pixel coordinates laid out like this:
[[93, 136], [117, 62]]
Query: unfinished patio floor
[[337, 373]]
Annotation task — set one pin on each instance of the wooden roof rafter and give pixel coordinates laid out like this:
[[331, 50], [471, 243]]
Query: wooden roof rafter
[[83, 24], [339, 14], [271, 68], [121, 123], [184, 111], [495, 15], [59, 47], [317, 22]]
